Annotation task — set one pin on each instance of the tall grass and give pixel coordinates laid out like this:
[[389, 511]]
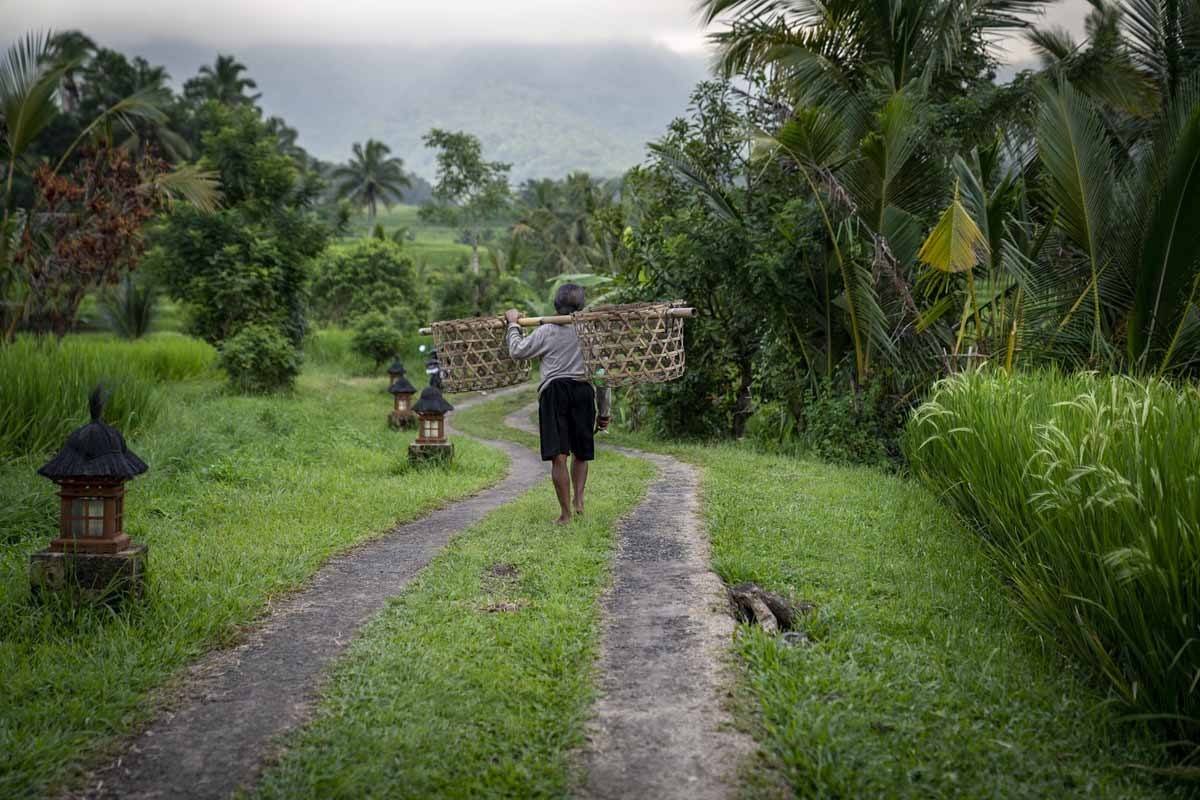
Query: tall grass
[[1088, 490], [44, 384], [330, 347], [334, 347]]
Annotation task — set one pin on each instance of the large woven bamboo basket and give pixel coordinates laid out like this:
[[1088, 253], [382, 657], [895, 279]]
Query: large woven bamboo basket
[[475, 356], [633, 343]]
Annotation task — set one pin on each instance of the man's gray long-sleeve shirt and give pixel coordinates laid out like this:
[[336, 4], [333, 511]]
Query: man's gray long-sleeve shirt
[[558, 348]]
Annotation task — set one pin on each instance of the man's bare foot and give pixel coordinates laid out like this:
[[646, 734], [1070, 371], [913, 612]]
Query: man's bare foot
[[579, 511], [563, 519]]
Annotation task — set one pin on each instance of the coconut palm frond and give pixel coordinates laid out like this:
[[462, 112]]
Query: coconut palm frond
[[145, 105], [869, 326], [956, 244], [692, 174], [891, 170], [1081, 173], [27, 88], [814, 136], [1163, 38], [1169, 262], [190, 184], [997, 16], [1052, 46]]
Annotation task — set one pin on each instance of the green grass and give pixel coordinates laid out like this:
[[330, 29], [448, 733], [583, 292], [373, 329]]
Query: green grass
[[440, 697], [922, 681], [403, 215], [434, 245], [46, 383], [1088, 490], [486, 420], [330, 348], [245, 498]]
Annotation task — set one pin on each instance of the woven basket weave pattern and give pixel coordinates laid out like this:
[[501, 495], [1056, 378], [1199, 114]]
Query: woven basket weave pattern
[[633, 343], [475, 356]]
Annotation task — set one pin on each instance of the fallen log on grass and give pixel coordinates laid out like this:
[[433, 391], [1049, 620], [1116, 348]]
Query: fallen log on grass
[[773, 612]]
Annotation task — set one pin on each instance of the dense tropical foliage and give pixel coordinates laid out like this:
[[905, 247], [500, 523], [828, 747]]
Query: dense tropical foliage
[[246, 264], [865, 216]]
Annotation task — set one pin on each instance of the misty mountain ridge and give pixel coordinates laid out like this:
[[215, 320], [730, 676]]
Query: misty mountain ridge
[[547, 110]]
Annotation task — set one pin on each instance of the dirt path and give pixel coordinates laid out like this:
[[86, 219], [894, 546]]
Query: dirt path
[[215, 736], [660, 729]]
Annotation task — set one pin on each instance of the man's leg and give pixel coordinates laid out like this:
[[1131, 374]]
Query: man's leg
[[562, 486], [579, 470]]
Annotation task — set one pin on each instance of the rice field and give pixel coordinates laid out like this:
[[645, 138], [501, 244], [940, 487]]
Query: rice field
[[47, 382], [1087, 491]]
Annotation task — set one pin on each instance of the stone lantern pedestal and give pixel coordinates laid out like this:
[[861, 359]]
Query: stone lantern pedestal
[[98, 577], [430, 452]]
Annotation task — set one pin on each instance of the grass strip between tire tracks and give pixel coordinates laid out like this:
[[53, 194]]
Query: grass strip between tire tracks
[[477, 681]]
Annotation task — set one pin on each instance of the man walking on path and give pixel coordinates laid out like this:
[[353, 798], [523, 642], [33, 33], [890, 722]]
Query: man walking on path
[[567, 412]]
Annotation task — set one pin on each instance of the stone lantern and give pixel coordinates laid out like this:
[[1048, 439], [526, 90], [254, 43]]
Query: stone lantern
[[433, 368], [396, 370], [431, 443], [92, 551], [402, 415]]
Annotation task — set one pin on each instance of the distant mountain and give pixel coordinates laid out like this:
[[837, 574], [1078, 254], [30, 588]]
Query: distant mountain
[[547, 110]]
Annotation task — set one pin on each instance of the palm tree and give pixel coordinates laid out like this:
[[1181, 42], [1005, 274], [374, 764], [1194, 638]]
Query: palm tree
[[561, 216], [372, 177], [71, 48], [286, 137], [151, 82], [861, 75], [222, 82], [825, 48]]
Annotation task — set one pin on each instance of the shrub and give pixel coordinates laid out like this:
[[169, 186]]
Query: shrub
[[246, 263], [462, 293], [845, 428], [45, 385], [369, 275], [376, 338], [1087, 490], [129, 309], [835, 426], [260, 359]]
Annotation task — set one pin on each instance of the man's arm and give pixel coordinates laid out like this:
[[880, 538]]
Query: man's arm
[[520, 347]]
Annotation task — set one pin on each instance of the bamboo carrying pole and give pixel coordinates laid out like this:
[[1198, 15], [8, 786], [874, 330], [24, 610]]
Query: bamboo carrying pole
[[566, 319]]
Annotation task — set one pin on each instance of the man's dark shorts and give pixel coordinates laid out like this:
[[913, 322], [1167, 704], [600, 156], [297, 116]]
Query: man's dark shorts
[[567, 418]]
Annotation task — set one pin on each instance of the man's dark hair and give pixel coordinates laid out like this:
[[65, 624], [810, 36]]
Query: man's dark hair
[[569, 298]]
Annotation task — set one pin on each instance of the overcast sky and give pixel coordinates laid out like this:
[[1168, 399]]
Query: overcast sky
[[229, 23]]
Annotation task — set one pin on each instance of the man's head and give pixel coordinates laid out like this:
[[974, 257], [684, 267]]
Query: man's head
[[569, 298]]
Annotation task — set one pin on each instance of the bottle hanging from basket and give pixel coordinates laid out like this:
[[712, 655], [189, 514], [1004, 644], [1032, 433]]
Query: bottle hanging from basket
[[602, 391]]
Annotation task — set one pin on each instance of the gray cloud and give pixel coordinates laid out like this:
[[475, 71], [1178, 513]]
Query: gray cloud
[[236, 22], [233, 23]]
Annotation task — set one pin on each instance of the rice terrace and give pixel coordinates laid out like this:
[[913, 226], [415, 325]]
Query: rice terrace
[[697, 399]]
